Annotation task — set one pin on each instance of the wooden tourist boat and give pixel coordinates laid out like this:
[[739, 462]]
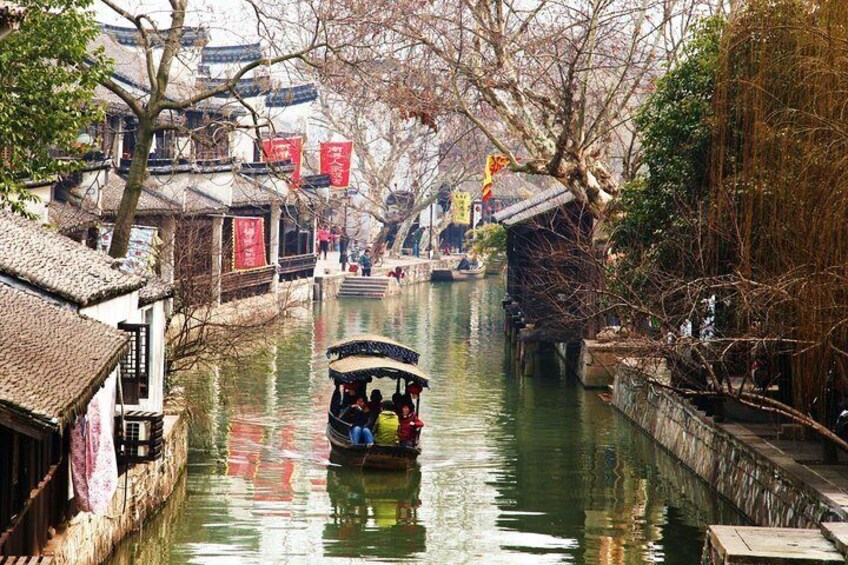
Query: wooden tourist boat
[[358, 361], [457, 275]]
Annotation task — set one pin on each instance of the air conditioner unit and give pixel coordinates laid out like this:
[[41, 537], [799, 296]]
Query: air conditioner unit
[[141, 438]]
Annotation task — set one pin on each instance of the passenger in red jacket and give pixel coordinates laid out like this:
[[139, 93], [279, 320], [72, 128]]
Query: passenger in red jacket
[[409, 427]]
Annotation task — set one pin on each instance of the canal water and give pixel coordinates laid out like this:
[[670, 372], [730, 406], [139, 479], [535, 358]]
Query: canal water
[[514, 470]]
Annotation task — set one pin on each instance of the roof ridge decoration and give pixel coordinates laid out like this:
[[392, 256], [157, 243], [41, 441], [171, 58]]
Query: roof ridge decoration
[[245, 53], [192, 36], [292, 96], [545, 201]]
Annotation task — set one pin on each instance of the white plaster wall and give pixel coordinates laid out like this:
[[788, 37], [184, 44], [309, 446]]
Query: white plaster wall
[[125, 309], [39, 207]]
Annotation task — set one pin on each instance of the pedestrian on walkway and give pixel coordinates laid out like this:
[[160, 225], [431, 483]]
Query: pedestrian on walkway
[[416, 241], [343, 242], [365, 263], [324, 237]]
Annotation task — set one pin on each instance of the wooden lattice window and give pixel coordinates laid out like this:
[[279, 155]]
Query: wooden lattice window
[[135, 366]]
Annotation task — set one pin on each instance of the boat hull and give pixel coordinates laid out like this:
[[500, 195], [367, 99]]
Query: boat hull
[[456, 275], [384, 457]]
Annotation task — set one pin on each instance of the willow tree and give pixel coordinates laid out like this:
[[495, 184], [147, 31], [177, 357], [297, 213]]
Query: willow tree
[[780, 189]]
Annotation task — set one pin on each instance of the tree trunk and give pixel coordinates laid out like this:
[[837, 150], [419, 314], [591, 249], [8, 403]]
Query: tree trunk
[[402, 233], [129, 201], [380, 240]]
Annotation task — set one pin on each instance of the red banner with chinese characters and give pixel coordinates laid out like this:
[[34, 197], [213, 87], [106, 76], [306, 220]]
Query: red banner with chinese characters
[[284, 149], [248, 243], [335, 161]]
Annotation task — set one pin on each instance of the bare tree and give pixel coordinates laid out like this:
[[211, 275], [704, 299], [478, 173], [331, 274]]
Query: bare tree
[[400, 164], [552, 84], [165, 94], [200, 330]]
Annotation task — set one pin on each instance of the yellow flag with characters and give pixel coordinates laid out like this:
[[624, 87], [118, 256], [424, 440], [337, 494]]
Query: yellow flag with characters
[[494, 163], [461, 203]]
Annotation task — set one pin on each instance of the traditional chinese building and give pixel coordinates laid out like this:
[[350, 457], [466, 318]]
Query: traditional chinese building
[[70, 322]]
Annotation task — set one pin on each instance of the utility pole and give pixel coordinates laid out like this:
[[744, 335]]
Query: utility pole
[[432, 254]]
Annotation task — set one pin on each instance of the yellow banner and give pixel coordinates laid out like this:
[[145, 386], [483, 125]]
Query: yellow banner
[[461, 204]]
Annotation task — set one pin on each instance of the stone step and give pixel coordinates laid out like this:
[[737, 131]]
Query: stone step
[[377, 295], [366, 280]]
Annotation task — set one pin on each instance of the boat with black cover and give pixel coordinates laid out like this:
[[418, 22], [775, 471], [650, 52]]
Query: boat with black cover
[[357, 361]]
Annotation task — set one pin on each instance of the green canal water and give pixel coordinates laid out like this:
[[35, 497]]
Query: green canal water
[[514, 470]]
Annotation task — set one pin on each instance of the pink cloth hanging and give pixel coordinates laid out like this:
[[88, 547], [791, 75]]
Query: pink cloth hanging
[[94, 467]]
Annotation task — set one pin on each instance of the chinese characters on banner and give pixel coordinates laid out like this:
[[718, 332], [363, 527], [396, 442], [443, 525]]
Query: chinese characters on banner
[[461, 204], [248, 243], [141, 249], [284, 149], [494, 163], [335, 161]]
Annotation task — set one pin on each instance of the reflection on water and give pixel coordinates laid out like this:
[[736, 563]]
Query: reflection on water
[[374, 514], [532, 470]]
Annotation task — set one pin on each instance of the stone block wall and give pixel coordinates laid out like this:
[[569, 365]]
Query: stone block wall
[[755, 477], [598, 360], [88, 539]]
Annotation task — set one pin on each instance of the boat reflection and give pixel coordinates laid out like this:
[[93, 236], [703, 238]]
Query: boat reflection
[[374, 514]]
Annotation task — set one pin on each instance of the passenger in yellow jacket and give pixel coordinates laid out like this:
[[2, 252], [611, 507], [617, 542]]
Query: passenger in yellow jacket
[[386, 426]]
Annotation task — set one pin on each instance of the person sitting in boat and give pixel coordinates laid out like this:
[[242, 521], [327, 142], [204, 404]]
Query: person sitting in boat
[[351, 391], [375, 406], [399, 400], [386, 426], [474, 263], [357, 416], [464, 264], [408, 427]]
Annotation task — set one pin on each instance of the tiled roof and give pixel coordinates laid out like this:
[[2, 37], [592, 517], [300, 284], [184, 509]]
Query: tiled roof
[[250, 192], [315, 181], [232, 53], [52, 360], [292, 96], [197, 201], [69, 219], [150, 201], [154, 290], [527, 209], [191, 36], [58, 265]]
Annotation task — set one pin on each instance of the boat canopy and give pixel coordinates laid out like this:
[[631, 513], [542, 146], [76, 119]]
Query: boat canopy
[[362, 369], [373, 345]]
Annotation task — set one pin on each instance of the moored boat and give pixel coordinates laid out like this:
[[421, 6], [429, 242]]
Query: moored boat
[[458, 275], [358, 361]]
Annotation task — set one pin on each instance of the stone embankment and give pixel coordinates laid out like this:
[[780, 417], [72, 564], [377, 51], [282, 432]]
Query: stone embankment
[[88, 539], [329, 285], [801, 510]]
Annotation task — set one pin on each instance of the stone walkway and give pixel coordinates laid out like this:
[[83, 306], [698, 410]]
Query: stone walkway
[[331, 266]]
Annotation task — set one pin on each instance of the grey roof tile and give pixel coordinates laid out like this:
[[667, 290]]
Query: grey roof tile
[[52, 360], [58, 265]]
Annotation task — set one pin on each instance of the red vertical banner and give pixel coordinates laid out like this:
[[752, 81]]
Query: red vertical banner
[[248, 243], [284, 149], [335, 161]]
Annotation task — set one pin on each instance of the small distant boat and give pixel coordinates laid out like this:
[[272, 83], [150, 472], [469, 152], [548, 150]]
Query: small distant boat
[[359, 360], [457, 275]]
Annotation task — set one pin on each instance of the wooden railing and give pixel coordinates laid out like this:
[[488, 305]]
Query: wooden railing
[[297, 266], [44, 508], [245, 282]]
